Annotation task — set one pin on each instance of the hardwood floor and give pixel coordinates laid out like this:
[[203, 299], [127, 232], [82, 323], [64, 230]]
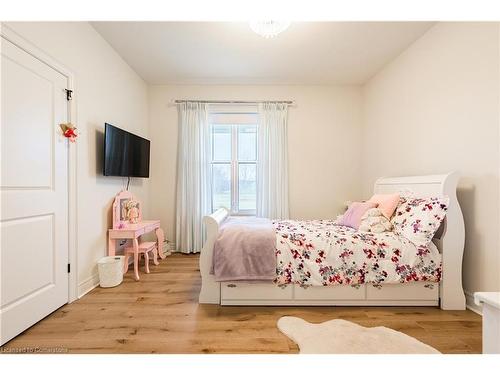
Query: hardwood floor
[[160, 314]]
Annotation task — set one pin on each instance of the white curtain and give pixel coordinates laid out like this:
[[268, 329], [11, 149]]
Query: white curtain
[[193, 180], [272, 169]]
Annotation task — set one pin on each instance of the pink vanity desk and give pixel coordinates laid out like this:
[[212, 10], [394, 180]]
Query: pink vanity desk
[[123, 229]]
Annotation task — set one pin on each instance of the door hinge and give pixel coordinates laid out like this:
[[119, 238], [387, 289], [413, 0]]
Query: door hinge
[[69, 94], [69, 268]]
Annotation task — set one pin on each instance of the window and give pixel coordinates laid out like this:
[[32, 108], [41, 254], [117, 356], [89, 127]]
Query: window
[[234, 166]]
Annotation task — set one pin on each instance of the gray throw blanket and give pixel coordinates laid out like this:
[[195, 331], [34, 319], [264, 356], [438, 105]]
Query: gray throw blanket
[[245, 250]]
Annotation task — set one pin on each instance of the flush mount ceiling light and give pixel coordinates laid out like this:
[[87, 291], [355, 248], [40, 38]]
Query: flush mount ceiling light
[[269, 29]]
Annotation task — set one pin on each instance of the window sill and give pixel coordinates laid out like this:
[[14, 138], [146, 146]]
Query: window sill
[[249, 214]]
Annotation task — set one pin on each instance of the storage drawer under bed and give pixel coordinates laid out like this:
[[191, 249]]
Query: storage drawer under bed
[[255, 291], [329, 293], [415, 291]]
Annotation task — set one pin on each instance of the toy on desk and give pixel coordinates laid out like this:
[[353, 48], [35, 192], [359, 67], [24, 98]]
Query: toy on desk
[[132, 208]]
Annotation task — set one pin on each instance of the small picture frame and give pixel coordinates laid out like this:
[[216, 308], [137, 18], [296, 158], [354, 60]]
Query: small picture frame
[[123, 209]]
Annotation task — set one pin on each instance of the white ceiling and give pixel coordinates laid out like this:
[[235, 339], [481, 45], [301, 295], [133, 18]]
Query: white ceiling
[[227, 52]]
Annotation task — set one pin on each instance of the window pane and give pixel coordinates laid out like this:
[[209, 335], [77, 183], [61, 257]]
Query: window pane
[[247, 186], [221, 148], [247, 142], [221, 186]]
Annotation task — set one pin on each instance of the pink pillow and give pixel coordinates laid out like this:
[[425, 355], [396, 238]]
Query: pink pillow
[[387, 203], [356, 210]]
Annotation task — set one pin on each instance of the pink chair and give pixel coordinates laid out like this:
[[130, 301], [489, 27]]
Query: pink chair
[[144, 248]]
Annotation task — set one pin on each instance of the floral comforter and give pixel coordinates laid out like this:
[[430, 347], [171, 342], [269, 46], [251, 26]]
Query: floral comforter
[[320, 252]]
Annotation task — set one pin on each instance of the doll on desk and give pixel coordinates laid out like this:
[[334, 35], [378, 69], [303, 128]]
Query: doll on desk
[[128, 224]]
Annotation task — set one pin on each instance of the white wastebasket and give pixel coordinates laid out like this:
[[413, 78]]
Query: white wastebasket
[[110, 271]]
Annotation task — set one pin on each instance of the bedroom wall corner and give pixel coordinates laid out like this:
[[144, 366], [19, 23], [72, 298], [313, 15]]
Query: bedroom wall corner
[[106, 89], [440, 100]]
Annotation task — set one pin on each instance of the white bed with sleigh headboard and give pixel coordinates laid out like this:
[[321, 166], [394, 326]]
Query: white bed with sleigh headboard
[[449, 239]]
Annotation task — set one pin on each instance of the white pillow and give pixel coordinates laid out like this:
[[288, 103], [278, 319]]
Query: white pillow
[[418, 219]]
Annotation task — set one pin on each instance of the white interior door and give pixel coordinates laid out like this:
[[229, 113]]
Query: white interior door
[[34, 191]]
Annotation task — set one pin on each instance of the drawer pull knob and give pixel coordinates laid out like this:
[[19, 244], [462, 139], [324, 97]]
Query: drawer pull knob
[[231, 285]]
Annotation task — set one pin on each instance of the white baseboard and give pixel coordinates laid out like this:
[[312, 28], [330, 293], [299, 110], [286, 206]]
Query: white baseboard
[[174, 250], [469, 303], [168, 248], [87, 285], [93, 281]]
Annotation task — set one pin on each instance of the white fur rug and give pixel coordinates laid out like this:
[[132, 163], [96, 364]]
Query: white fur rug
[[339, 336]]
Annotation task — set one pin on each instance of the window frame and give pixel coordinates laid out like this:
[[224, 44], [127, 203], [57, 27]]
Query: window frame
[[234, 163]]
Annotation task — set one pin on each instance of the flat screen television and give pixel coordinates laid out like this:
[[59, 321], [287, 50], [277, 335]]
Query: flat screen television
[[125, 154]]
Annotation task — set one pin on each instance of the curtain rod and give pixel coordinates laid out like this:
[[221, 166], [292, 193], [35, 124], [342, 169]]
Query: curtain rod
[[289, 102]]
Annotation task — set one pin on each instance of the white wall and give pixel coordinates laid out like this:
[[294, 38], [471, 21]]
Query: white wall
[[106, 90], [435, 109], [324, 137]]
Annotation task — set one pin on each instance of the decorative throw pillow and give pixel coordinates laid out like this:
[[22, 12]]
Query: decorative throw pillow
[[352, 217], [418, 219], [386, 203]]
